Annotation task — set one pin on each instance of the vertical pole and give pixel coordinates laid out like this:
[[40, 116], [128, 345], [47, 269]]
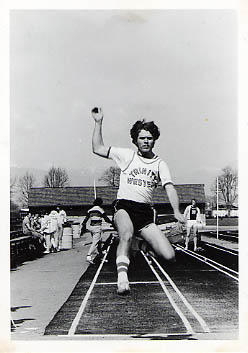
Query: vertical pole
[[95, 188], [217, 208]]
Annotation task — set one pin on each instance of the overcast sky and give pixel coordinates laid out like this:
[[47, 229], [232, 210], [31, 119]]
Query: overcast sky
[[176, 67]]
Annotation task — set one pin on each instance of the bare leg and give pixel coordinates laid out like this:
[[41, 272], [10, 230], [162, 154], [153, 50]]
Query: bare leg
[[56, 240], [60, 235], [195, 236], [161, 245], [125, 230], [187, 238], [96, 237], [48, 242]]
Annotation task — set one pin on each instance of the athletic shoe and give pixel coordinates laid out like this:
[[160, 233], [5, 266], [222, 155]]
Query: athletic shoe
[[123, 288], [89, 259], [46, 252]]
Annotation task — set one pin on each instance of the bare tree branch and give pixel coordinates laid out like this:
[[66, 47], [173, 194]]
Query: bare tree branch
[[25, 183], [56, 177], [111, 176], [228, 187]]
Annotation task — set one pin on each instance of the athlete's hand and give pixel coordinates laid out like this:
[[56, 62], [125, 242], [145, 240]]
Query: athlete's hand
[[179, 217], [97, 114]]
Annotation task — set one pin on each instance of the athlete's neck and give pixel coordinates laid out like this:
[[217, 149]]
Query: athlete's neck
[[148, 155]]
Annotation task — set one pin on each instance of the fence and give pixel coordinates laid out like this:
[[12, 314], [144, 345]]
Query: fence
[[23, 248]]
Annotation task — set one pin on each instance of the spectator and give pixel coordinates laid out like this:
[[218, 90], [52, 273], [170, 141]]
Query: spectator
[[26, 225], [54, 230], [193, 216], [45, 230], [62, 217], [49, 227]]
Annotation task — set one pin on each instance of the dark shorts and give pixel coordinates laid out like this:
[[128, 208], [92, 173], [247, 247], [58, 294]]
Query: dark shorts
[[141, 214]]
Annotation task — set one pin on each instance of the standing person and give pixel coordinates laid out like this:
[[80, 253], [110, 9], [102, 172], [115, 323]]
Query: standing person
[[193, 216], [49, 228], [96, 215], [140, 174], [54, 230], [62, 217], [45, 220]]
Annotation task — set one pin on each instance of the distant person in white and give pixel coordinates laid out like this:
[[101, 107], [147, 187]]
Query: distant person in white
[[62, 218], [193, 216], [49, 227], [140, 174]]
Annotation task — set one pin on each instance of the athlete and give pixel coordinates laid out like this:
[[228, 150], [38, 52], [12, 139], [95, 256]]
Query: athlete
[[140, 173], [95, 215], [193, 216]]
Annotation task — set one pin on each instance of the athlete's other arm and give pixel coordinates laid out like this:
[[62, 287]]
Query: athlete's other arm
[[186, 211], [173, 198], [98, 146], [83, 226]]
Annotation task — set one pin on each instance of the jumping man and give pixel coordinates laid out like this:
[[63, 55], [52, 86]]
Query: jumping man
[[140, 173]]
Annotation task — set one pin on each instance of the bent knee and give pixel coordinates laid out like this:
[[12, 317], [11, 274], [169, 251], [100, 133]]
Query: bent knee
[[168, 255], [171, 256]]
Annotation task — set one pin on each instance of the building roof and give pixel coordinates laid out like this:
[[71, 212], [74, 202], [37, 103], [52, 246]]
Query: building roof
[[84, 195]]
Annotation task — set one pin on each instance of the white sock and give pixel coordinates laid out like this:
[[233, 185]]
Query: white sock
[[122, 263]]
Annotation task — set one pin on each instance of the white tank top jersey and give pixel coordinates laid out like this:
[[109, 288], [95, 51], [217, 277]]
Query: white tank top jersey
[[139, 176]]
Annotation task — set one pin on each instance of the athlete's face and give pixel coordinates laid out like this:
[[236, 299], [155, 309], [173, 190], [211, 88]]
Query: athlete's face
[[145, 142]]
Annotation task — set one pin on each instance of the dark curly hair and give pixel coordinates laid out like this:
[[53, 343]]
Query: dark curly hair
[[143, 125]]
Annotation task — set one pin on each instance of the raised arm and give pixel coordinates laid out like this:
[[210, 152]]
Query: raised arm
[[83, 226], [98, 146], [173, 198]]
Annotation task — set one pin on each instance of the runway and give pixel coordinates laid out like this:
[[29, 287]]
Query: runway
[[190, 299]]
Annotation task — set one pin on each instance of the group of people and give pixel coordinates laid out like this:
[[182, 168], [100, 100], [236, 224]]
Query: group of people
[[47, 228], [141, 171]]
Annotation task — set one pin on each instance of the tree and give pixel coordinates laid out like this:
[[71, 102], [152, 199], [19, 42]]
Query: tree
[[228, 187], [56, 178], [13, 187], [13, 184], [25, 183], [111, 176]]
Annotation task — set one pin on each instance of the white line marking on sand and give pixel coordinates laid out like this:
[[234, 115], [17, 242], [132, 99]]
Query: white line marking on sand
[[114, 283], [224, 250], [75, 322], [176, 308], [209, 262], [184, 300]]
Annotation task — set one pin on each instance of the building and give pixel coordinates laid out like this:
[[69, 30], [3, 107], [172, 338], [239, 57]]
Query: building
[[77, 200]]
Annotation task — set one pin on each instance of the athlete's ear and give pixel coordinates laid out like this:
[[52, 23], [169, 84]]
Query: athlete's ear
[[135, 142]]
